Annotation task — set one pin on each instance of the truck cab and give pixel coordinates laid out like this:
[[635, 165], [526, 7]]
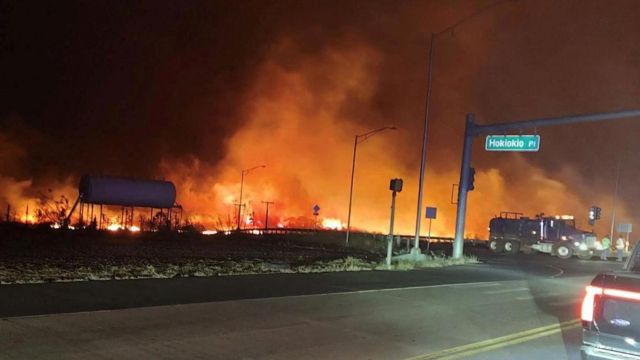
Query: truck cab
[[511, 232]]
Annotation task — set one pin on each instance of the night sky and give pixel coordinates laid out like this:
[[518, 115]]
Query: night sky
[[169, 89]]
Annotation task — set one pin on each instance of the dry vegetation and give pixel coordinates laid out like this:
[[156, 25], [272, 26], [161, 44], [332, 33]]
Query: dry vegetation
[[40, 254], [31, 255]]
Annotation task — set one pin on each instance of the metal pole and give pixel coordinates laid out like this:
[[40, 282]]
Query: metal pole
[[458, 241], [240, 202], [429, 236], [390, 238], [564, 120], [615, 198], [353, 170], [266, 217], [424, 146]]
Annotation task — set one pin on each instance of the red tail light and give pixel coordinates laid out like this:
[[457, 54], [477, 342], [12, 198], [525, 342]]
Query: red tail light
[[589, 303]]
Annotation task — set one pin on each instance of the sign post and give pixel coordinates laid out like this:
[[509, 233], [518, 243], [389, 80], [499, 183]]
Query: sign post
[[431, 214], [316, 212]]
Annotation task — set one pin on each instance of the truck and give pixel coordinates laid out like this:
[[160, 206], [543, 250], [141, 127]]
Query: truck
[[610, 313], [512, 232]]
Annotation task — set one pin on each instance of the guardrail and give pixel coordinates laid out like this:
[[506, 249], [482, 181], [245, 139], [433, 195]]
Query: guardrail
[[286, 231]]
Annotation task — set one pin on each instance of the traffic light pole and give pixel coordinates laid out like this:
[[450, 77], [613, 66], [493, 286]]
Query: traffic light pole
[[472, 130], [463, 186]]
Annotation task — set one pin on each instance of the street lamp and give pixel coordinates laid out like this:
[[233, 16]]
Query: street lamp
[[423, 158], [615, 198], [245, 171], [358, 139]]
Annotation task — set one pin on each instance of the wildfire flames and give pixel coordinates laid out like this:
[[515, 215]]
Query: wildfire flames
[[297, 127], [301, 105]]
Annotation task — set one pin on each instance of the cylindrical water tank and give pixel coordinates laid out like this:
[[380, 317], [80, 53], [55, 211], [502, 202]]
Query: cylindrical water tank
[[127, 192]]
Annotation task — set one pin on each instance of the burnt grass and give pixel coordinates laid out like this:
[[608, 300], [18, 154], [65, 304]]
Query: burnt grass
[[33, 247]]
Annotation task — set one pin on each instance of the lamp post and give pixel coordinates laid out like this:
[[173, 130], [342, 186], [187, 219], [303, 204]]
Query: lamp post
[[615, 198], [245, 171], [423, 157], [359, 139]]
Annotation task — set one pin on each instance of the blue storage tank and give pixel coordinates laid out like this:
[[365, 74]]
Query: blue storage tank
[[127, 192]]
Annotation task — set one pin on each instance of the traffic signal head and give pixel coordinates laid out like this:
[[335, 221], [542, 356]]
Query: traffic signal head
[[395, 185], [594, 214], [472, 179]]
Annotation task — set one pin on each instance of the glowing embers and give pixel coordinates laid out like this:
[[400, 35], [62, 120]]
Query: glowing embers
[[115, 227], [118, 227], [332, 224]]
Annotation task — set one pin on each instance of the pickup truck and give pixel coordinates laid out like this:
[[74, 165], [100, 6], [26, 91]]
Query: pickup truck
[[611, 313]]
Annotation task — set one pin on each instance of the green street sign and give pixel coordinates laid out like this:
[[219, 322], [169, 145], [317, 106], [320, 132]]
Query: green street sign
[[512, 143]]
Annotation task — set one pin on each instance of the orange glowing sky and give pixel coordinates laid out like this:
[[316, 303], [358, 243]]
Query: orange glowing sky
[[197, 93]]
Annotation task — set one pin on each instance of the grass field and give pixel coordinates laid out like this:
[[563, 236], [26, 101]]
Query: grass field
[[31, 254]]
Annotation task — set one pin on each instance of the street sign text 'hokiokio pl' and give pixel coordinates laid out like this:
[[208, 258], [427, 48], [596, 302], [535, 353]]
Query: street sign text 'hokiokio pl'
[[512, 143]]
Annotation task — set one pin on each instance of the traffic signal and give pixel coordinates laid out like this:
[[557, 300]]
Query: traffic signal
[[594, 214], [472, 179], [395, 185]]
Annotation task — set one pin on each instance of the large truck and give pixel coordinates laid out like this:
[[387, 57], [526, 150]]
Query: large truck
[[512, 233]]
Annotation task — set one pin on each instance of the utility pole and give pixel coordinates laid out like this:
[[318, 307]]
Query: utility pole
[[240, 201], [472, 130], [266, 217], [245, 171], [239, 214]]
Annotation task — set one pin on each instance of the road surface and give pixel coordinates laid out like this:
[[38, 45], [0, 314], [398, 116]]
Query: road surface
[[508, 307]]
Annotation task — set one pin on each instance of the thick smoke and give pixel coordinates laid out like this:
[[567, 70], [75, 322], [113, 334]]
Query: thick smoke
[[196, 92]]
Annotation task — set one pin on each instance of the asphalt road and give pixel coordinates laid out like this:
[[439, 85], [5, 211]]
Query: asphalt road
[[508, 307]]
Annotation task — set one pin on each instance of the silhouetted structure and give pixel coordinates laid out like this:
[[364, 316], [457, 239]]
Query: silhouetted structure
[[125, 192]]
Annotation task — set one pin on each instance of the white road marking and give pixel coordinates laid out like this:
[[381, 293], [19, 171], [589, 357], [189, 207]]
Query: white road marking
[[476, 285], [493, 292]]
